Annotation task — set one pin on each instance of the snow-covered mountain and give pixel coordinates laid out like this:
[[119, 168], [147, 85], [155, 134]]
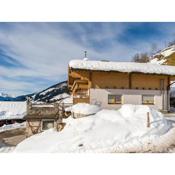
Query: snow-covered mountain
[[164, 56], [54, 93], [5, 97]]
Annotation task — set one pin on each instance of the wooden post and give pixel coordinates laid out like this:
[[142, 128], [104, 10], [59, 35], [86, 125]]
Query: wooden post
[[168, 95], [130, 81], [148, 120]]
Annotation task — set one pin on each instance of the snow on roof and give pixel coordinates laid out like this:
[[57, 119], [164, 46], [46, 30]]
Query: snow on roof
[[43, 105], [122, 67], [12, 110]]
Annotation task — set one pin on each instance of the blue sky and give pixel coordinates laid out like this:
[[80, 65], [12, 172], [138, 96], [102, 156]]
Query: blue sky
[[34, 56]]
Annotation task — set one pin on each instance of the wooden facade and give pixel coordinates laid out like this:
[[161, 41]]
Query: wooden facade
[[81, 81]]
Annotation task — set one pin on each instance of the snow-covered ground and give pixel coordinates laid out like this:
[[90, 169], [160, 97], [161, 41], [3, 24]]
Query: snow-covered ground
[[6, 149], [12, 126], [123, 130], [3, 147], [12, 110]]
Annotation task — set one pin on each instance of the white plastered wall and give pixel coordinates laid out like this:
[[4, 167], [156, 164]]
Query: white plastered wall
[[129, 96]]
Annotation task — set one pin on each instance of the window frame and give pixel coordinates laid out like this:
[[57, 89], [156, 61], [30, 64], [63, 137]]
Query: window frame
[[121, 96], [147, 96], [46, 120]]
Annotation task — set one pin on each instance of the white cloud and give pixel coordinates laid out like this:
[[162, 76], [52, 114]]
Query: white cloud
[[46, 48]]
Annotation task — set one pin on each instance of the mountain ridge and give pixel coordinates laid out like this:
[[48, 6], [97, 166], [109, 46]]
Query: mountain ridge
[[53, 93], [165, 56]]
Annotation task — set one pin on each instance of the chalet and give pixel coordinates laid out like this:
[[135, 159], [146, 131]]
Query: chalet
[[111, 84]]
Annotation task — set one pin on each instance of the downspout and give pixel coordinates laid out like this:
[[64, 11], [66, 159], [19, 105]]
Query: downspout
[[168, 100], [162, 92], [168, 95]]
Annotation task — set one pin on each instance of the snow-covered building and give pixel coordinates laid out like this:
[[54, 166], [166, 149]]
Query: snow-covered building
[[40, 117], [111, 84]]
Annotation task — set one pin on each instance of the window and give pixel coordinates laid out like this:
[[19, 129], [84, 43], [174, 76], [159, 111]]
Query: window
[[47, 124], [114, 99], [148, 99]]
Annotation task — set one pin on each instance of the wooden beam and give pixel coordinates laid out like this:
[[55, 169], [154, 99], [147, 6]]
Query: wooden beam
[[168, 91], [130, 81], [90, 79], [112, 71]]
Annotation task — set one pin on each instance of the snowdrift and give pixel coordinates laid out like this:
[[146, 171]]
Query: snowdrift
[[83, 108], [124, 130]]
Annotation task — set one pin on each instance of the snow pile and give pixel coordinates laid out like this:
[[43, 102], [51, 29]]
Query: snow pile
[[7, 149], [12, 110], [124, 130], [84, 108], [4, 148], [122, 67], [12, 126]]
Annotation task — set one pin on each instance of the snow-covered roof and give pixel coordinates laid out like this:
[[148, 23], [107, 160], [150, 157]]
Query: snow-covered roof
[[122, 67], [12, 110]]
